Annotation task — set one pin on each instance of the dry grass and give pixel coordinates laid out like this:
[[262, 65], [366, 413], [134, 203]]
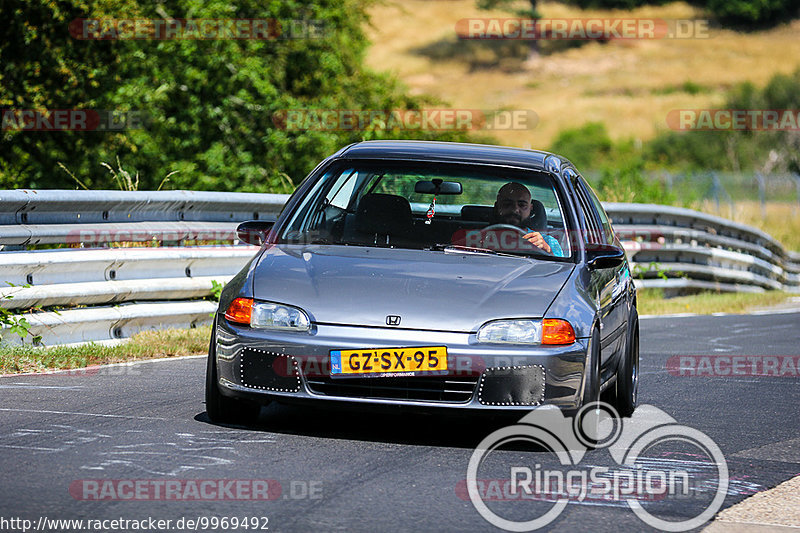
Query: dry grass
[[652, 302], [620, 83], [145, 345], [780, 219]]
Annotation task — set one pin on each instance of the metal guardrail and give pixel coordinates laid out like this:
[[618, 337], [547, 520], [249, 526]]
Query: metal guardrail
[[30, 217], [129, 289], [697, 251]]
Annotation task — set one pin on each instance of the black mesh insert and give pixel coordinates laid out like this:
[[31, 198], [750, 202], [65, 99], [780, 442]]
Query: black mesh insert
[[515, 385], [261, 369], [451, 389]]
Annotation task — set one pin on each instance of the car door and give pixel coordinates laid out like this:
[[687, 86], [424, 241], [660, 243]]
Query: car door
[[608, 284]]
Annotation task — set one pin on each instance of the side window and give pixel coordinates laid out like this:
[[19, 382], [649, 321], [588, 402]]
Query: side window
[[609, 231], [594, 234]]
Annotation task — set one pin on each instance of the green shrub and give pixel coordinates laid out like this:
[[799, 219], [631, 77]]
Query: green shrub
[[587, 147], [752, 12]]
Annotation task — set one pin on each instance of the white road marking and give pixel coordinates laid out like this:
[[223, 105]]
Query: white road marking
[[101, 415], [30, 448], [29, 386]]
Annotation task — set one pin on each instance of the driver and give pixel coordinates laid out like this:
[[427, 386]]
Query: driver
[[513, 206]]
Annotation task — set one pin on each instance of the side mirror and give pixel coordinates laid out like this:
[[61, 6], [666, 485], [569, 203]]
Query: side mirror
[[254, 232], [604, 256]]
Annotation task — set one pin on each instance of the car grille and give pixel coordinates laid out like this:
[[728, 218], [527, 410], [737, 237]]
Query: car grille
[[448, 389]]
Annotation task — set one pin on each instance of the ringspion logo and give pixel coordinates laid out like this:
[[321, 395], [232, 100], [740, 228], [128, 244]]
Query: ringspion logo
[[635, 479]]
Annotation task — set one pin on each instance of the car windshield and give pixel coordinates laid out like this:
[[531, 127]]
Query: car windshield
[[431, 206]]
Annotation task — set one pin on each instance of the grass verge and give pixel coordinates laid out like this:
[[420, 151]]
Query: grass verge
[[652, 302], [145, 345], [178, 342]]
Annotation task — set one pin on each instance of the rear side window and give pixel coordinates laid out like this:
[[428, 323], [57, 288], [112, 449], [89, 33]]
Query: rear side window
[[594, 226], [607, 229]]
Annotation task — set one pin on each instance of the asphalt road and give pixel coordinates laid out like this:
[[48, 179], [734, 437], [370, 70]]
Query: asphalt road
[[67, 438]]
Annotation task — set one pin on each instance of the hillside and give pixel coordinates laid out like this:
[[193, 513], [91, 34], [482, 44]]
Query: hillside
[[628, 85]]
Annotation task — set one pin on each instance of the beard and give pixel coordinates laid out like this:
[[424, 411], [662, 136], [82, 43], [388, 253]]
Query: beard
[[511, 218]]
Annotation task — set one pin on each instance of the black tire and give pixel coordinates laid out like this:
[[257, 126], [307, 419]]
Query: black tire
[[591, 390], [222, 409], [626, 390]]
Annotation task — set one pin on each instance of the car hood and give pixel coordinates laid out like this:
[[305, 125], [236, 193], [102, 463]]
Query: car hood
[[429, 290]]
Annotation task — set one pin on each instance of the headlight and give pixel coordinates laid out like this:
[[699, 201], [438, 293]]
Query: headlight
[[263, 315], [277, 316], [547, 331]]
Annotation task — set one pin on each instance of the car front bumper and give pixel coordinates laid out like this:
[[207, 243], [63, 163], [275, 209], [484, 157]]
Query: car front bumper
[[295, 367]]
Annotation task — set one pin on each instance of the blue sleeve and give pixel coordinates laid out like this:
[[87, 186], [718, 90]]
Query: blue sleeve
[[555, 247]]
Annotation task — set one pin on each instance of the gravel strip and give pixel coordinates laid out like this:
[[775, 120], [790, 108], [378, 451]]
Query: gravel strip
[[775, 510]]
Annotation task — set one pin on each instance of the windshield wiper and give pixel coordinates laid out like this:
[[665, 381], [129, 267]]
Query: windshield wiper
[[458, 249]]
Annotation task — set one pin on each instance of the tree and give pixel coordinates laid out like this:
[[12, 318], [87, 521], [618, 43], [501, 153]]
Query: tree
[[744, 13], [750, 13], [210, 105], [531, 13]]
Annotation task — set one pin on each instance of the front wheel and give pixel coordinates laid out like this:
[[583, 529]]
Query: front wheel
[[221, 409], [591, 388], [588, 428]]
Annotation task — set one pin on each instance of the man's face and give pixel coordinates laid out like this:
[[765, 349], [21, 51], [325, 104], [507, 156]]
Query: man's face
[[513, 206]]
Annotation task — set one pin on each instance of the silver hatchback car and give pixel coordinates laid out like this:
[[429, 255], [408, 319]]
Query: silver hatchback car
[[439, 276]]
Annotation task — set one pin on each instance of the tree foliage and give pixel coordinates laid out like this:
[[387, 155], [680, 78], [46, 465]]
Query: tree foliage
[[209, 104], [747, 13], [735, 150]]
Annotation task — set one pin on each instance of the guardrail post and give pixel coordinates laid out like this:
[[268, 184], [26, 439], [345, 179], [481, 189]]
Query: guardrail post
[[762, 194], [797, 184], [715, 187]]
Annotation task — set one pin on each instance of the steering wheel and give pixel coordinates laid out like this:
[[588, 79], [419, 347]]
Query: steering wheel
[[528, 246], [505, 226]]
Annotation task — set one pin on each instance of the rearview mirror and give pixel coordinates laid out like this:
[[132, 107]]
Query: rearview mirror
[[254, 232], [437, 186], [601, 256]]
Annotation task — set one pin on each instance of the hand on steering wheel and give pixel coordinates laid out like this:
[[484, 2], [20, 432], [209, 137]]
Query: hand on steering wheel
[[525, 236]]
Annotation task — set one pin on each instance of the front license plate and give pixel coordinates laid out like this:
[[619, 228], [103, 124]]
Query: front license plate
[[382, 362]]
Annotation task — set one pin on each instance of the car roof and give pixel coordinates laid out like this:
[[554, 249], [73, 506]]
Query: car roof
[[446, 151]]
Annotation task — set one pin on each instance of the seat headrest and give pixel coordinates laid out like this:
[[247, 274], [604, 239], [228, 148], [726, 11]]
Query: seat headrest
[[538, 219], [478, 213], [384, 214]]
